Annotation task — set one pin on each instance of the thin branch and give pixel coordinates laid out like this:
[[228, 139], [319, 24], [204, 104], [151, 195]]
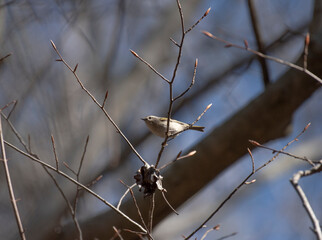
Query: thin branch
[[174, 42], [13, 108], [245, 181], [82, 158], [193, 26], [259, 41], [78, 175], [3, 58], [105, 98], [306, 204], [136, 204], [70, 208], [10, 187], [192, 81], [14, 102], [150, 66], [138, 209], [117, 233], [13, 129], [167, 202], [69, 168], [178, 158], [97, 103], [275, 59], [151, 212], [198, 118], [54, 150], [77, 183], [283, 152], [123, 196], [171, 100], [208, 231], [226, 200]]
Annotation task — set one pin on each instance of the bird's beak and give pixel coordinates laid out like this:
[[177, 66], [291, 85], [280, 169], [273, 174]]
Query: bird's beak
[[143, 119]]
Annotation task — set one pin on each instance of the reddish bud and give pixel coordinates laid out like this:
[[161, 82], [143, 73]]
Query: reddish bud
[[307, 39], [53, 44], [75, 68], [208, 34], [217, 227], [307, 126], [246, 44], [206, 13], [134, 53], [254, 142]]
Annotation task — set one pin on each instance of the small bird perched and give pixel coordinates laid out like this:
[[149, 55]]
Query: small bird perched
[[158, 126]]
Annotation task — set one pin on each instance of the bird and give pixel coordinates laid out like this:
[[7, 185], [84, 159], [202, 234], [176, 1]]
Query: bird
[[158, 126]]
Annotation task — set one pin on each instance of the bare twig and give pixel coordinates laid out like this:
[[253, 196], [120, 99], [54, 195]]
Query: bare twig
[[178, 158], [105, 98], [203, 16], [13, 129], [259, 41], [14, 102], [174, 42], [78, 175], [136, 204], [150, 66], [70, 208], [171, 100], [13, 108], [138, 209], [117, 233], [275, 59], [167, 202], [3, 58], [61, 59], [123, 196], [151, 212], [82, 158], [226, 200], [306, 204], [69, 168], [54, 150], [192, 81], [198, 118], [174, 73], [282, 150], [9, 185], [93, 182], [245, 181], [77, 183], [208, 231]]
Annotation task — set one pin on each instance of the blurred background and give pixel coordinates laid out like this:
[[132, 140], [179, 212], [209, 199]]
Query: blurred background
[[97, 35]]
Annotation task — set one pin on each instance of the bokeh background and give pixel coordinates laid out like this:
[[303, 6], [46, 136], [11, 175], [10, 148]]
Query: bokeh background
[[98, 35]]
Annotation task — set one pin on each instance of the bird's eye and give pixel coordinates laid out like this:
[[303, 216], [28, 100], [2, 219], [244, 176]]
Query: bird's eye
[[149, 118]]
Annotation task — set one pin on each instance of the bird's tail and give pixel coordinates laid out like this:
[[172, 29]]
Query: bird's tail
[[197, 128]]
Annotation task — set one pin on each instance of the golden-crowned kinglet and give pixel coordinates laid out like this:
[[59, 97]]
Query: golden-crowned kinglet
[[158, 126]]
